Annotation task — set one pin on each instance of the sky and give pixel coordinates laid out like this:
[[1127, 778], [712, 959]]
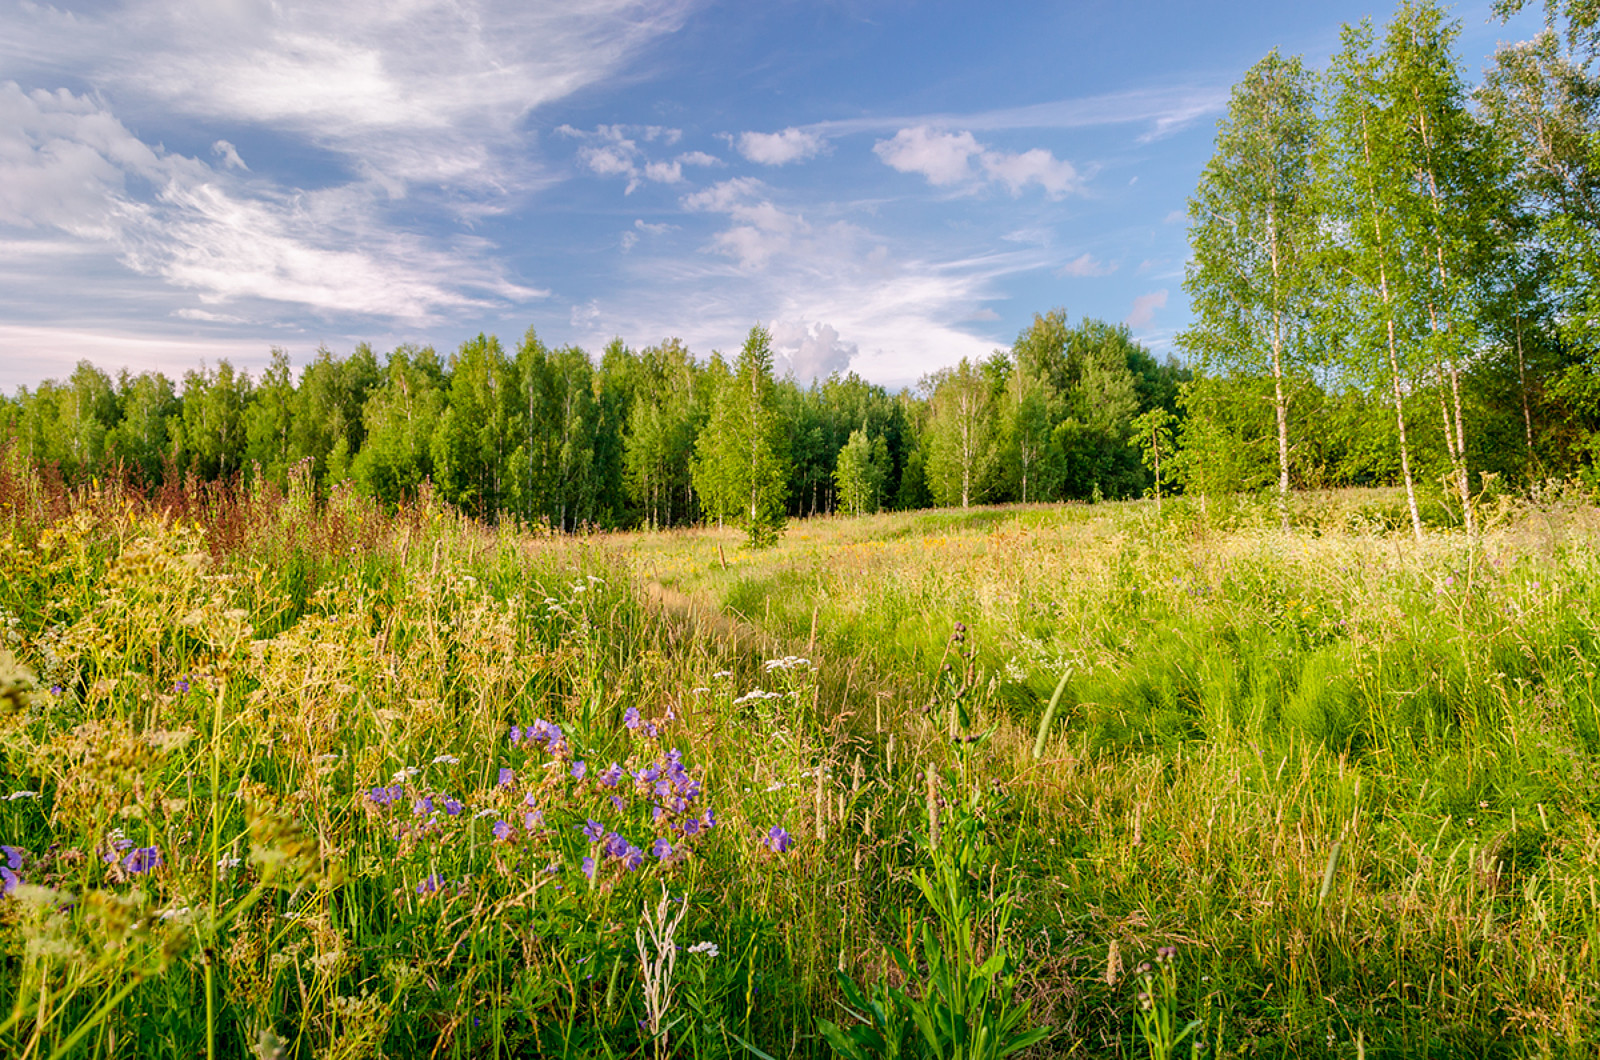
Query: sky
[[887, 186]]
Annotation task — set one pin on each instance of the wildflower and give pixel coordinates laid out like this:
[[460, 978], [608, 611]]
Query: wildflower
[[532, 820], [691, 827], [593, 830], [453, 807], [502, 830], [55, 690], [516, 735], [709, 820], [487, 811], [8, 872], [661, 849], [617, 803], [632, 858], [721, 674], [430, 885], [650, 730], [422, 806], [707, 948], [615, 845], [588, 868], [405, 774], [579, 768], [182, 687], [449, 760], [506, 777], [612, 774], [531, 801], [226, 865], [142, 859], [630, 718], [778, 841]]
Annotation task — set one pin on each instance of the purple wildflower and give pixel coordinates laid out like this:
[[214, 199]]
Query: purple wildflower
[[630, 718], [142, 859], [532, 820], [506, 777], [452, 806], [661, 848], [632, 858], [55, 690], [617, 803], [502, 830], [777, 840], [650, 729], [691, 826], [9, 880], [430, 885], [422, 806], [615, 845], [579, 768], [709, 820], [516, 735], [588, 867], [593, 830], [396, 792], [612, 775], [182, 687]]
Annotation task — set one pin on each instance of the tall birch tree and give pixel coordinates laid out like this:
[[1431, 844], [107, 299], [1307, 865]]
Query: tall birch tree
[[1252, 233]]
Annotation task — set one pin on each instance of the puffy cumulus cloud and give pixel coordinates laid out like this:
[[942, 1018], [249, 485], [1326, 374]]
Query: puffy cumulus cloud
[[1038, 166], [811, 350], [944, 158], [1144, 308], [1086, 265], [616, 151], [779, 148], [68, 164], [759, 231], [947, 158]]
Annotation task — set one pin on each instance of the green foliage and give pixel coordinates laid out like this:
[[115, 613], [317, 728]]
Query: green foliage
[[862, 469]]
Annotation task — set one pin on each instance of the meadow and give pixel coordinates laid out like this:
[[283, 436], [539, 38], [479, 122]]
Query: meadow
[[288, 776]]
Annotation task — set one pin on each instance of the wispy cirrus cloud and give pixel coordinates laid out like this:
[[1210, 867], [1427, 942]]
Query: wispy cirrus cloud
[[68, 164]]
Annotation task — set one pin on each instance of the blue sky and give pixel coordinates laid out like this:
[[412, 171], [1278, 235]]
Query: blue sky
[[889, 186]]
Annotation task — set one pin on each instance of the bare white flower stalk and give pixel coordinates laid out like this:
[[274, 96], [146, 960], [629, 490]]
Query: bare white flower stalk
[[657, 932]]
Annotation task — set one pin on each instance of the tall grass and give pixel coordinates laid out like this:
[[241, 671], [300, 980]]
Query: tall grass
[[295, 778]]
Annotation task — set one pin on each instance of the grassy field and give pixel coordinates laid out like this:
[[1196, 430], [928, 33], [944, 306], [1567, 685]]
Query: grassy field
[[292, 778]]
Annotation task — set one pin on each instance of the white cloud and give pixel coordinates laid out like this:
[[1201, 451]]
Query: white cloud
[[1176, 217], [944, 158], [1037, 166], [641, 228], [811, 350], [780, 148], [1144, 309], [947, 158], [614, 151], [1086, 265], [68, 164], [229, 155], [419, 91]]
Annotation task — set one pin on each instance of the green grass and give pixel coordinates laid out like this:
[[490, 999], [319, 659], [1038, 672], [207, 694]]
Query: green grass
[[1351, 779]]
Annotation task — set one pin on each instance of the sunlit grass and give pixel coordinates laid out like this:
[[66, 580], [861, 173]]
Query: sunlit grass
[[287, 774]]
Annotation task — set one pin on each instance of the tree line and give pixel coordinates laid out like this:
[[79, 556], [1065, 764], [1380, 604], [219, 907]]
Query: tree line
[[654, 437]]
